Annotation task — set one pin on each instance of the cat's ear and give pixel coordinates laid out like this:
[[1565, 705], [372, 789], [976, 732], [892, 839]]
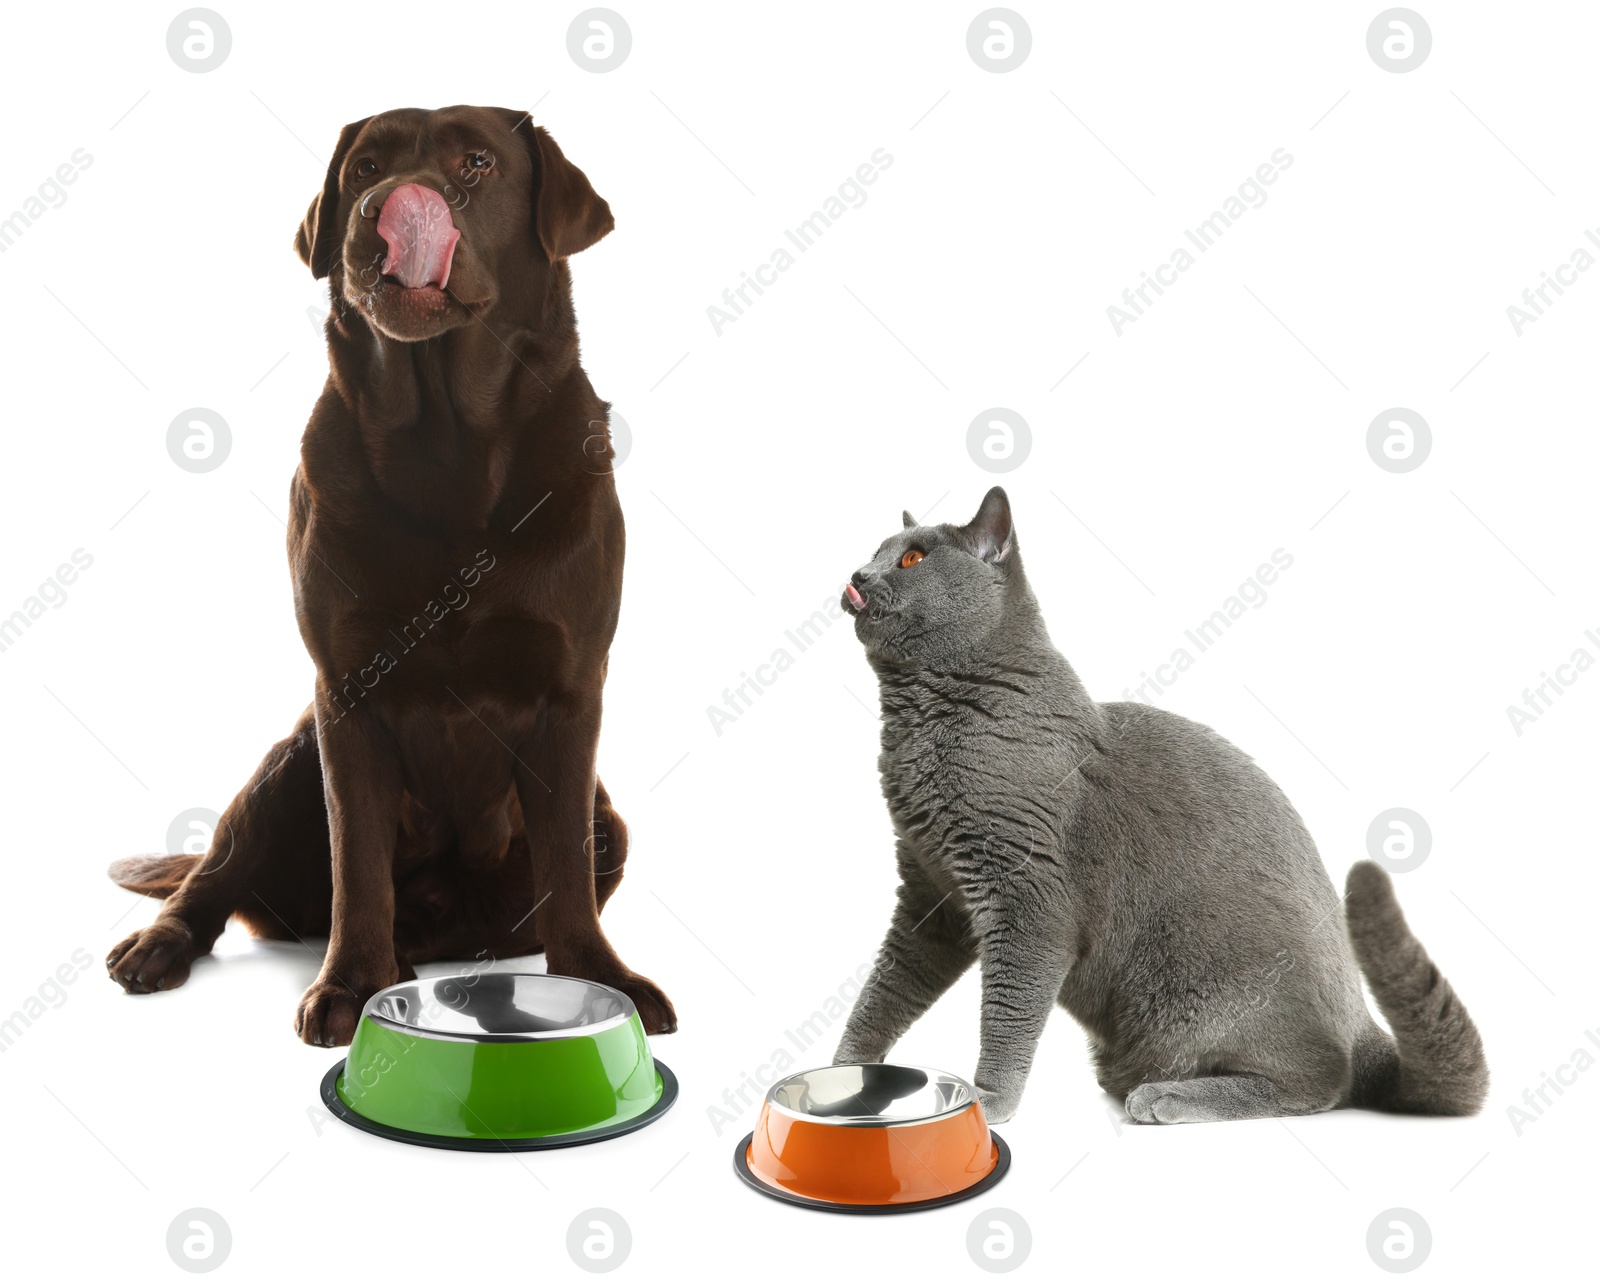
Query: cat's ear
[[910, 520], [989, 534]]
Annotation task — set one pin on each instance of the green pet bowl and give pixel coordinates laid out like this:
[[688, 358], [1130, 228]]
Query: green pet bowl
[[498, 1062]]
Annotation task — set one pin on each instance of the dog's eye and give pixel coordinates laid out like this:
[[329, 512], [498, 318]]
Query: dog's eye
[[366, 169], [480, 161], [911, 557]]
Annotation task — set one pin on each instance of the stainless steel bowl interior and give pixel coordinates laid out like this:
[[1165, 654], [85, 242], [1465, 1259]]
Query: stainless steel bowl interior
[[871, 1095], [500, 1007]]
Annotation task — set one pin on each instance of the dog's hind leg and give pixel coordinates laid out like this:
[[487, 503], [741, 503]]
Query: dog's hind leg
[[268, 864], [610, 845]]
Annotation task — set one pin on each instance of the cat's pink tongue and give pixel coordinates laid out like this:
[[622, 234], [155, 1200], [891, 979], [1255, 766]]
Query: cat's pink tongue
[[856, 599]]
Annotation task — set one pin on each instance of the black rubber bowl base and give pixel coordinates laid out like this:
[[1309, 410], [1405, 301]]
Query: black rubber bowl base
[[341, 1110]]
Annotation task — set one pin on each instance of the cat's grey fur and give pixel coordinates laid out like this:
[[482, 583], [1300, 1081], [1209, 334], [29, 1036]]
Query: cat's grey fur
[[1125, 862]]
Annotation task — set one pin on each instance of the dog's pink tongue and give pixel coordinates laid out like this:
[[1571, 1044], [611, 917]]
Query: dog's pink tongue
[[415, 224]]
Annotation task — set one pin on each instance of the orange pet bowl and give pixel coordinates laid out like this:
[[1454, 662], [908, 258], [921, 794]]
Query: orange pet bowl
[[871, 1139]]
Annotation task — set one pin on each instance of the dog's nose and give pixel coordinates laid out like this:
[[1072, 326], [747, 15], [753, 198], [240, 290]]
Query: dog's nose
[[371, 204]]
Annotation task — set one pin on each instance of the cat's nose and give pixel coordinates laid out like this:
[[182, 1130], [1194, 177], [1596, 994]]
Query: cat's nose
[[859, 578]]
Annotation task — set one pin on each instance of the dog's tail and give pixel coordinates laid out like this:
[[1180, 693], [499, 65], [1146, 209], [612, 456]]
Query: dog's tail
[[154, 875], [1435, 1062]]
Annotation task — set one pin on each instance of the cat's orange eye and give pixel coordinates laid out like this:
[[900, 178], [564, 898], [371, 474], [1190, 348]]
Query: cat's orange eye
[[911, 557]]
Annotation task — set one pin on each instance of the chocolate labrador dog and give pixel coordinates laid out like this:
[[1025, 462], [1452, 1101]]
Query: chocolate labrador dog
[[456, 547]]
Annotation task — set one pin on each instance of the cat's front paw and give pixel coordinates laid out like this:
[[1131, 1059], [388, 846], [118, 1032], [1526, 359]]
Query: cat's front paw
[[999, 1106]]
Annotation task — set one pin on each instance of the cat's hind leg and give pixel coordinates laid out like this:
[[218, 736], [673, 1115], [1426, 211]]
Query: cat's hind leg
[[1309, 1074], [1231, 1060], [1223, 1099]]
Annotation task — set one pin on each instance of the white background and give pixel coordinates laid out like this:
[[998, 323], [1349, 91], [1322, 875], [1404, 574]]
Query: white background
[[768, 462]]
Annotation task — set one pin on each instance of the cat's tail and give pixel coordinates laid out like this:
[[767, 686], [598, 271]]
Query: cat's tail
[[1435, 1062]]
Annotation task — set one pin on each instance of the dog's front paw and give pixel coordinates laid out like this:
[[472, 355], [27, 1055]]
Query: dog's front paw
[[601, 966], [655, 1007], [329, 1012], [999, 1106], [153, 959]]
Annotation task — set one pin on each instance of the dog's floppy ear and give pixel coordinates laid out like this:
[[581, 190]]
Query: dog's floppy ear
[[317, 241], [568, 216]]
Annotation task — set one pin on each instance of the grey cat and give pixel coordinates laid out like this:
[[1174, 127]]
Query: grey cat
[[1131, 865]]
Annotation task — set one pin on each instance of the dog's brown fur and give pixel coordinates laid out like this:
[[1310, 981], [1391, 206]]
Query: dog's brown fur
[[456, 547]]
